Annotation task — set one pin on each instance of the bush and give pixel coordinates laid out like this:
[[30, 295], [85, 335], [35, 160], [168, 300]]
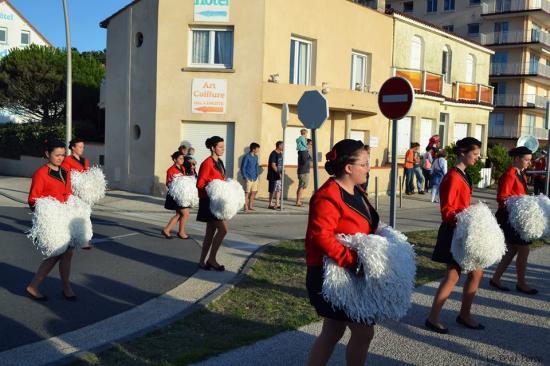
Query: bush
[[473, 171], [500, 161], [27, 138]]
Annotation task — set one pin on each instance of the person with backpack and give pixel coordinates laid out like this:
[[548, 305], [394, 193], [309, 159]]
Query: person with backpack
[[439, 169]]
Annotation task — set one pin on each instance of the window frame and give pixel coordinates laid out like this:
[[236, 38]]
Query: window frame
[[294, 65], [449, 28], [5, 41], [409, 3], [433, 8], [447, 5], [365, 83], [211, 48], [28, 33], [469, 27], [448, 63]]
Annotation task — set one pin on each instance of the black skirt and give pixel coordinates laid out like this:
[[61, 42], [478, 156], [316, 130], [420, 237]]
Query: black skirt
[[442, 251], [314, 284], [510, 234], [171, 204], [204, 214]]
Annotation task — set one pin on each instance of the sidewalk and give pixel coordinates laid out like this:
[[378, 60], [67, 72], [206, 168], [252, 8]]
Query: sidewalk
[[517, 330]]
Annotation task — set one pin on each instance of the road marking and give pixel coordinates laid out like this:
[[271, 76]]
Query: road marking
[[395, 98], [95, 241]]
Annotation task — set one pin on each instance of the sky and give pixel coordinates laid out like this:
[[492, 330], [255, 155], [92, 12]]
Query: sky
[[84, 15]]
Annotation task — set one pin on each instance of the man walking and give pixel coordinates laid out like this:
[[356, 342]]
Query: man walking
[[250, 170], [274, 175], [304, 164]]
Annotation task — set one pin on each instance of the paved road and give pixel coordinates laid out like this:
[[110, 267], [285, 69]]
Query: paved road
[[130, 264], [517, 331]]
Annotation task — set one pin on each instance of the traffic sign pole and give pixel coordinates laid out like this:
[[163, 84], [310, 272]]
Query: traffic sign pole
[[284, 123], [315, 163], [393, 175]]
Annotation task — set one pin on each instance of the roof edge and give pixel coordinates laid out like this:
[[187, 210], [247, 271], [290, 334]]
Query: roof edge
[[105, 22]]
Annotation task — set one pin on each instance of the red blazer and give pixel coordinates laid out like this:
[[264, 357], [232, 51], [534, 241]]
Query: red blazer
[[46, 182], [207, 173], [70, 163], [173, 172], [330, 215], [455, 193], [540, 164], [511, 183]]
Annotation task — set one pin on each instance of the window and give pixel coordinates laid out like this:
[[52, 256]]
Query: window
[[442, 130], [534, 64], [446, 64], [431, 6], [300, 61], [501, 32], [529, 127], [416, 53], [461, 131], [138, 40], [496, 124], [212, 48], [473, 29], [503, 5], [470, 68], [499, 62], [408, 7], [360, 75], [25, 38], [449, 28], [3, 35], [448, 5]]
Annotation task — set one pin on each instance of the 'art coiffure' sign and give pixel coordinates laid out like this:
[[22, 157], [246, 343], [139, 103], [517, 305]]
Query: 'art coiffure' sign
[[209, 96], [211, 10]]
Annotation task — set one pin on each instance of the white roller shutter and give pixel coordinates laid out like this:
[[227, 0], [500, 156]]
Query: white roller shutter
[[403, 135], [194, 134], [461, 131], [479, 132], [426, 131]]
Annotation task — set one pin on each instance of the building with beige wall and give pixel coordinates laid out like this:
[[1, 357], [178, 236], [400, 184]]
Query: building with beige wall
[[450, 77], [518, 32]]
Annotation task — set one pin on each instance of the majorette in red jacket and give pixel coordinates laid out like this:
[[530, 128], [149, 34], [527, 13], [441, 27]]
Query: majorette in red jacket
[[71, 163], [329, 215], [207, 173], [511, 183], [173, 172], [455, 193], [47, 182]]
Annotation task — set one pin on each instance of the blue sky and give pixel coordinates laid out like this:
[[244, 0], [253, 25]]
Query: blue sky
[[85, 15]]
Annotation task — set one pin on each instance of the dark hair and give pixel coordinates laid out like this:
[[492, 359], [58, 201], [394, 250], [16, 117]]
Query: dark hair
[[51, 145], [74, 141], [182, 147], [442, 153], [519, 151], [309, 141], [414, 144], [211, 142], [278, 143], [176, 154], [466, 145], [343, 153], [254, 146]]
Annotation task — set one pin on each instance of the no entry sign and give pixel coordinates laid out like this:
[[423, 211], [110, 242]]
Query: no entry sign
[[396, 97]]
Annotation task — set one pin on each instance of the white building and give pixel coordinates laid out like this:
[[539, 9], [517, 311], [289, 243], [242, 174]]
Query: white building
[[16, 32]]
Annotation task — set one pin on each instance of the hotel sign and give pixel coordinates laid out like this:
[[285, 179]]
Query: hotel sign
[[209, 96], [211, 10]]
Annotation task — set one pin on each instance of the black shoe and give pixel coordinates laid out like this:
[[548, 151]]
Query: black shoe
[[36, 298], [498, 287], [527, 292], [435, 328], [166, 236], [421, 192], [461, 321], [218, 268], [205, 267], [68, 298]]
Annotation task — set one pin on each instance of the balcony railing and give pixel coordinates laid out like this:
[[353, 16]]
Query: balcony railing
[[422, 81], [505, 6], [520, 100], [469, 92], [501, 131], [539, 133], [532, 36], [512, 69]]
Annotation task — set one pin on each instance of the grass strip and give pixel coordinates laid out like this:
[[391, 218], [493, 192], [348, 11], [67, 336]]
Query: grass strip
[[270, 299]]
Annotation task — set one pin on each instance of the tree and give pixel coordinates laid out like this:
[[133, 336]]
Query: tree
[[473, 171], [33, 84]]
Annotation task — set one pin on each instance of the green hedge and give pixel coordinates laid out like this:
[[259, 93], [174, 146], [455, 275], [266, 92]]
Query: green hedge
[[27, 138]]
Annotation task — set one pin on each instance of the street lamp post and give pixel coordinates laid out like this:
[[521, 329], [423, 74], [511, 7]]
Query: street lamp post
[[68, 105]]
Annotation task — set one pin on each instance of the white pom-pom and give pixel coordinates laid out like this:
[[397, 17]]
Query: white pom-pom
[[226, 198], [89, 185], [80, 224], [49, 231], [526, 217], [544, 204], [385, 290], [478, 241], [184, 191]]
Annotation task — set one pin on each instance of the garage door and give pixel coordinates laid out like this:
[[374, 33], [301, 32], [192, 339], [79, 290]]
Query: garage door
[[461, 131], [195, 134], [479, 132], [403, 135], [426, 131]]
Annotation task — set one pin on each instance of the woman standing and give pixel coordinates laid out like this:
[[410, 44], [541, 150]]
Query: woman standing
[[77, 162], [513, 183], [182, 213], [439, 169], [210, 169], [455, 192], [51, 180], [338, 207], [427, 161]]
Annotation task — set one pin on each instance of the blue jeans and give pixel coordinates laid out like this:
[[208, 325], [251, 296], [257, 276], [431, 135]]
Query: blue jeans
[[419, 178], [409, 184]]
